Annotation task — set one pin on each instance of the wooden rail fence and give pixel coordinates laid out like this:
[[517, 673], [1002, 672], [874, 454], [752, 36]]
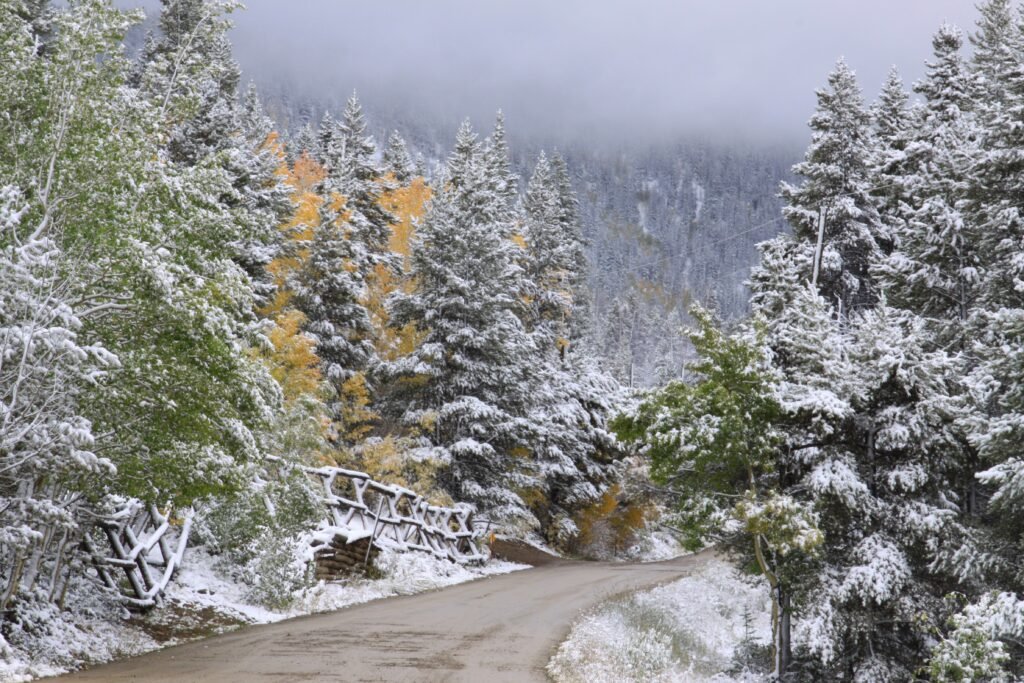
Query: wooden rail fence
[[361, 514], [135, 541], [394, 517]]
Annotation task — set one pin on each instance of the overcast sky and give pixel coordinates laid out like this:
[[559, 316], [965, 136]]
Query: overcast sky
[[618, 69]]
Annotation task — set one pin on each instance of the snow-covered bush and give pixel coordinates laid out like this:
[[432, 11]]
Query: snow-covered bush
[[975, 649], [261, 536], [694, 629]]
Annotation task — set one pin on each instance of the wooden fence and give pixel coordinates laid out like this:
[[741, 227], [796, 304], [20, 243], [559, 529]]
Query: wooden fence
[[134, 540], [393, 517]]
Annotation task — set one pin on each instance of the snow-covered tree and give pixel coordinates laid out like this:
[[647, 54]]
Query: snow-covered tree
[[466, 387], [935, 269], [328, 290], [837, 184], [47, 448], [396, 158], [893, 129]]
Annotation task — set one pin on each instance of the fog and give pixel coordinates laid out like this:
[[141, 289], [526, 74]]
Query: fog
[[591, 70]]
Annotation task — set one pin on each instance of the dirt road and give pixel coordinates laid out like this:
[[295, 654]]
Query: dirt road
[[503, 628]]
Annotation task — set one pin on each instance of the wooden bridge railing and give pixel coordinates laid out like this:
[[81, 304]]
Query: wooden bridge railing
[[397, 518], [135, 540]]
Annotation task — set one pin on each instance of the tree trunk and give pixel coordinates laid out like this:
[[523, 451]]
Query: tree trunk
[[784, 647]]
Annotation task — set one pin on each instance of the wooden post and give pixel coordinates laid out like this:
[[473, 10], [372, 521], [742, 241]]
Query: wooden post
[[376, 518], [819, 246]]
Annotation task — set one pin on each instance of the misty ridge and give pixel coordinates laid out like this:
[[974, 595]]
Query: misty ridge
[[678, 120]]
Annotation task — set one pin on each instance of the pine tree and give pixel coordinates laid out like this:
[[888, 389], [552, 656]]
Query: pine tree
[[935, 270], [548, 265], [870, 407], [358, 179], [575, 245], [994, 50], [396, 158], [305, 142], [837, 182], [466, 387], [348, 255], [890, 165], [329, 147], [328, 289], [499, 165]]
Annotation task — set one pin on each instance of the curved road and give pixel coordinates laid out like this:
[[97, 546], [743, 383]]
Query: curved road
[[503, 628]]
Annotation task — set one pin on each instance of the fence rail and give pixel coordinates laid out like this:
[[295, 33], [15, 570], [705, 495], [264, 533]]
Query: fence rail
[[394, 517], [136, 542]]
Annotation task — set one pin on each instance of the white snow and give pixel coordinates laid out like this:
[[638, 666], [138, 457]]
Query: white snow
[[655, 546], [684, 631]]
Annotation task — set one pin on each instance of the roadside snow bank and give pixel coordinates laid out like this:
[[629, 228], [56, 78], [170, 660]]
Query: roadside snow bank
[[689, 630], [404, 574]]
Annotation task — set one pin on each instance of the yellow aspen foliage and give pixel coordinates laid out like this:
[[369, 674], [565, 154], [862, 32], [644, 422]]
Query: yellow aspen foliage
[[293, 362], [302, 179], [610, 524], [386, 460], [356, 418], [407, 204]]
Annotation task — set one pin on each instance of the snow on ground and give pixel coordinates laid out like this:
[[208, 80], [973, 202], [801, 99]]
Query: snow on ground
[[404, 574], [46, 642], [201, 601], [655, 546], [689, 630]]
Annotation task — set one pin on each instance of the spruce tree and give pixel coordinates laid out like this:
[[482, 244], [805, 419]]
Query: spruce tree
[[357, 178], [466, 387], [837, 183], [890, 166], [396, 158], [935, 270], [304, 142]]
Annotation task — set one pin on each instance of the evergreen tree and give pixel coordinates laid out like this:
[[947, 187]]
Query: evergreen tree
[[575, 247], [837, 182], [466, 386], [893, 129], [549, 261], [935, 270], [328, 150], [505, 184], [358, 179], [328, 289], [396, 158], [305, 142], [995, 53]]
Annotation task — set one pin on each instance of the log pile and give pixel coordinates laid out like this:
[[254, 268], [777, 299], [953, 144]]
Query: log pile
[[341, 559]]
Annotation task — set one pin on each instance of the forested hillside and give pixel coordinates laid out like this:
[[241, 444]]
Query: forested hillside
[[663, 227]]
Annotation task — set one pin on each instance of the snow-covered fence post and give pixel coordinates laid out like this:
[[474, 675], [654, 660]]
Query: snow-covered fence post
[[144, 529], [373, 536]]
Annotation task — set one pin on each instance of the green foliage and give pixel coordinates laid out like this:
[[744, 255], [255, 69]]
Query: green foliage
[[714, 439], [257, 533]]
